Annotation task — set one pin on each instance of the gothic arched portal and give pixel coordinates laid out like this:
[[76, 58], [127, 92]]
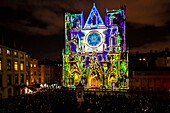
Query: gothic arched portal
[[94, 79], [112, 78]]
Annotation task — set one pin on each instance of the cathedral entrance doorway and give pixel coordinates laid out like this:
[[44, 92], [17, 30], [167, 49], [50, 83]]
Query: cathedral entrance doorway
[[112, 80], [93, 79]]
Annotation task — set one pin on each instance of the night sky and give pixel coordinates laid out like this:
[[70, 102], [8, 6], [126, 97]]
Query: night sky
[[37, 26]]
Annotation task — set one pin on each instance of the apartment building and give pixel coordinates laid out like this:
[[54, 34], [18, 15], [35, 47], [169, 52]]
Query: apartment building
[[34, 71], [156, 79], [49, 71], [18, 70], [12, 71], [44, 71]]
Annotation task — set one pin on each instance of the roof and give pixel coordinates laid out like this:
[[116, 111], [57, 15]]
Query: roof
[[152, 69], [47, 62]]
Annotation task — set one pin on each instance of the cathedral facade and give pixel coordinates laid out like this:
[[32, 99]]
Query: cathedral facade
[[95, 51]]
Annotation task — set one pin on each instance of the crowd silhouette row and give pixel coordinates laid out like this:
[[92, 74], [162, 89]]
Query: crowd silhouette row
[[62, 101]]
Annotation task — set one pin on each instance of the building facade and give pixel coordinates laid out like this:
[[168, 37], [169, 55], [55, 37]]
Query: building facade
[[151, 59], [44, 71], [34, 71], [95, 52], [150, 71], [12, 71], [151, 80], [51, 71]]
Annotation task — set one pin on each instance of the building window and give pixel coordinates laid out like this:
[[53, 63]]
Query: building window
[[31, 65], [22, 55], [144, 59], [39, 80], [21, 66], [34, 65], [27, 64], [94, 20], [8, 52], [0, 80], [27, 73], [8, 64], [22, 78], [16, 66], [15, 53], [35, 73], [0, 64], [9, 79], [26, 56], [16, 78]]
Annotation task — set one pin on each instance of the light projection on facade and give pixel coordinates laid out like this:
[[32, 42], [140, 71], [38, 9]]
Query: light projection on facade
[[95, 52]]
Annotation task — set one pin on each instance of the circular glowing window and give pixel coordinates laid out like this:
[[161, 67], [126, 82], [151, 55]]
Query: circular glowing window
[[94, 39]]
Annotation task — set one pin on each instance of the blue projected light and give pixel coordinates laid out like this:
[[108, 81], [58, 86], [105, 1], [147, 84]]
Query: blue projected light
[[94, 39]]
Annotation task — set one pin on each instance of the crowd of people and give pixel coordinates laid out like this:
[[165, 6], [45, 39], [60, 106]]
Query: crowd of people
[[63, 101]]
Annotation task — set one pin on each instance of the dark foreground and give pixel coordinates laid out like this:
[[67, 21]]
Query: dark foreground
[[59, 101]]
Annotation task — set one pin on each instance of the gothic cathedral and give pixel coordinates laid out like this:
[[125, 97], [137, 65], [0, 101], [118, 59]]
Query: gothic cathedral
[[95, 51]]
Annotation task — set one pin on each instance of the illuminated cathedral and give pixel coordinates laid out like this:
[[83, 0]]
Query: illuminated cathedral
[[95, 51]]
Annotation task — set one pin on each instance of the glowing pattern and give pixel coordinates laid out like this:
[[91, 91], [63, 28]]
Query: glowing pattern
[[95, 53], [93, 39], [93, 13]]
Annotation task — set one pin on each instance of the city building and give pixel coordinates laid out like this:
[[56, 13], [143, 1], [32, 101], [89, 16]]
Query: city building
[[151, 79], [150, 71], [50, 71], [12, 71], [18, 71], [95, 52], [150, 59], [44, 72], [35, 76]]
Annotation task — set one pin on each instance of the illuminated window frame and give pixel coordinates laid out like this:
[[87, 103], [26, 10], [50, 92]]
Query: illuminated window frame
[[22, 55], [8, 52], [26, 56], [16, 66], [15, 53], [21, 66]]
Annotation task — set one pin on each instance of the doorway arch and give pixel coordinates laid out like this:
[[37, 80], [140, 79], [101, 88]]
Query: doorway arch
[[112, 78], [94, 79]]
